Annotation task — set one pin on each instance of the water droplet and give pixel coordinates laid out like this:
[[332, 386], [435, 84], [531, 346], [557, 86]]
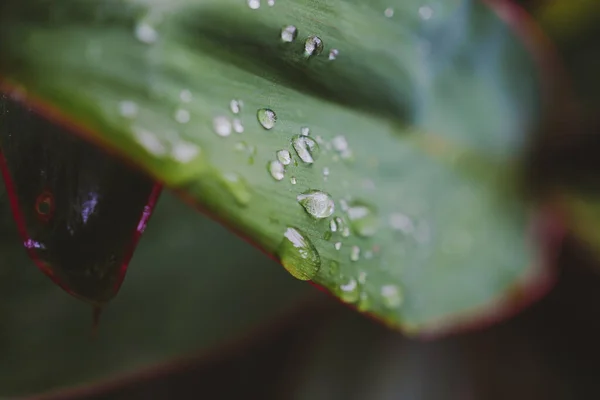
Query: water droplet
[[276, 170], [128, 109], [266, 117], [182, 116], [349, 290], [184, 152], [316, 203], [389, 12], [340, 144], [392, 296], [222, 126], [289, 33], [235, 106], [238, 188], [145, 33], [354, 253], [401, 222], [270, 3], [425, 12], [313, 46], [306, 148], [338, 245], [298, 255], [305, 131], [149, 141], [254, 4], [333, 225], [237, 125], [284, 157], [363, 219], [333, 53], [325, 172], [362, 277], [185, 96], [293, 180]]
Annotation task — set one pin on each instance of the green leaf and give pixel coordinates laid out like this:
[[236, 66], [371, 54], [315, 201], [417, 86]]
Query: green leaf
[[418, 124], [191, 287]]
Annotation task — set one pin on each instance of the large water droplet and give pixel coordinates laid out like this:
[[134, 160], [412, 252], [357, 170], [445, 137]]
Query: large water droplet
[[316, 203], [266, 117], [276, 169], [289, 33], [284, 157], [363, 219], [237, 186], [313, 46], [254, 4], [306, 148], [222, 126], [349, 291], [392, 296], [298, 255]]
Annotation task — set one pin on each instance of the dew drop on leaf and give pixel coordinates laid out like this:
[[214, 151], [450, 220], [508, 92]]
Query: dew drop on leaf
[[337, 245], [237, 187], [298, 255], [254, 4], [289, 33], [392, 296], [293, 180], [266, 117], [333, 53], [222, 126], [313, 46], [235, 106], [276, 170], [306, 148], [128, 109], [305, 131], [349, 290], [145, 33], [237, 125], [182, 116], [317, 204], [389, 12], [363, 219], [354, 253], [284, 157]]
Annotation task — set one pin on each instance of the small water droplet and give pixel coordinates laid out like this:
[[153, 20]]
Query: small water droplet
[[333, 53], [349, 290], [150, 141], [325, 172], [401, 222], [338, 245], [237, 186], [298, 255], [362, 277], [270, 3], [305, 131], [222, 126], [128, 109], [363, 219], [316, 203], [182, 116], [306, 148], [289, 33], [340, 144], [237, 125], [276, 170], [425, 12], [354, 253], [389, 12], [145, 33], [266, 117], [284, 157], [184, 152], [293, 180], [333, 225], [254, 4], [185, 96], [313, 46], [235, 106], [392, 296]]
